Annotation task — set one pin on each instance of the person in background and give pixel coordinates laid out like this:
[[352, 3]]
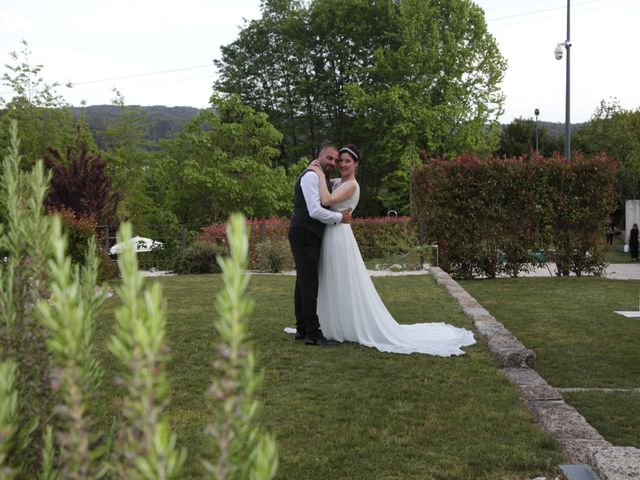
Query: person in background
[[611, 230], [633, 242]]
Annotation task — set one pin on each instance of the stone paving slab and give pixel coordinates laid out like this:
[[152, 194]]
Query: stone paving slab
[[489, 327], [509, 352], [580, 451], [563, 421], [523, 376], [532, 393], [616, 463]]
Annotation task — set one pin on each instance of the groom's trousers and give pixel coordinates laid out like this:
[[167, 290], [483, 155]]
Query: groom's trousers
[[305, 247]]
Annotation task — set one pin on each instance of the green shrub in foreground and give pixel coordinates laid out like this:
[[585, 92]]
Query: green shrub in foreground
[[50, 377]]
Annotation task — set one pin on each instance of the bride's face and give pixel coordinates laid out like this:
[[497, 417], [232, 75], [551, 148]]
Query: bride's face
[[347, 165]]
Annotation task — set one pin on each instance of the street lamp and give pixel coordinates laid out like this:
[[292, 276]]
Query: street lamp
[[537, 112], [567, 120]]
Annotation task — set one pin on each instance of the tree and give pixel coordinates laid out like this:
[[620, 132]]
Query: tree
[[223, 161], [129, 162], [36, 105], [615, 131], [394, 77], [80, 183], [519, 138]]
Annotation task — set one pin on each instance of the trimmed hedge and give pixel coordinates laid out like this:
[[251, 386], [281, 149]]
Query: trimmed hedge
[[501, 215]]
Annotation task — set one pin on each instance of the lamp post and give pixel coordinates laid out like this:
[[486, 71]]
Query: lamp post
[[567, 119], [537, 112]]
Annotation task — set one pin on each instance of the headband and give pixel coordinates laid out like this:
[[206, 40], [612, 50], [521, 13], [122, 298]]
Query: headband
[[348, 150]]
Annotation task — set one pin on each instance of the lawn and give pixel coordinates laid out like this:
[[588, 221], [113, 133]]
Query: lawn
[[615, 253], [579, 341], [351, 412]]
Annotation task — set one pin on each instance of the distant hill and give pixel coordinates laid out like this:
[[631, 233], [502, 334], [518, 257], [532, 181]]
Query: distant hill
[[163, 122], [556, 129]]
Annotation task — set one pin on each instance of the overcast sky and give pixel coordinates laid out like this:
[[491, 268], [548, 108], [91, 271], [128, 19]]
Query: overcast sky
[[160, 52]]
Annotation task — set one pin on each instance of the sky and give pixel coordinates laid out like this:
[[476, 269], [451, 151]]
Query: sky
[[161, 52]]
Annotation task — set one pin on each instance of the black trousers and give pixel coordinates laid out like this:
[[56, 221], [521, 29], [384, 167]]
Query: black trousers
[[305, 247]]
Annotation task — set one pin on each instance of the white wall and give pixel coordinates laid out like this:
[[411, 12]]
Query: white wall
[[631, 215]]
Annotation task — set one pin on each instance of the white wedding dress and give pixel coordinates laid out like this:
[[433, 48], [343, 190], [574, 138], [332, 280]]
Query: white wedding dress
[[350, 309]]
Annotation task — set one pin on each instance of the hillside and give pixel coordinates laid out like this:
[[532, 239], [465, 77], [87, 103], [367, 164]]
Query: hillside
[[162, 122]]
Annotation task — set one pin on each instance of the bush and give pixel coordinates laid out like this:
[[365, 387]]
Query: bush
[[385, 236], [200, 257], [50, 374], [377, 237], [260, 230], [274, 255], [78, 231]]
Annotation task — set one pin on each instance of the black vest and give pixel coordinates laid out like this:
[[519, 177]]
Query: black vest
[[300, 217]]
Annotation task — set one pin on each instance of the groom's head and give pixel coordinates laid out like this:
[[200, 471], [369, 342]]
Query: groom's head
[[327, 158]]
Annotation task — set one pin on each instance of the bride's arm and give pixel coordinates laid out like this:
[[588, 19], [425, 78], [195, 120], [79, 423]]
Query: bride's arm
[[327, 198]]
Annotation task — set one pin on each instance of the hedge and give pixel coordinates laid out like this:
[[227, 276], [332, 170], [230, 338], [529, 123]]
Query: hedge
[[377, 237], [502, 215]]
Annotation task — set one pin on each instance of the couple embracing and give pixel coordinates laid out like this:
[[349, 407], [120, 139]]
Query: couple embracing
[[335, 300]]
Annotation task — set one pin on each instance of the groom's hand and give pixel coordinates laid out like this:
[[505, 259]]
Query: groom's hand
[[346, 216]]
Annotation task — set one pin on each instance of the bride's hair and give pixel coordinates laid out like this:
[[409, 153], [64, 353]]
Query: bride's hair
[[353, 151]]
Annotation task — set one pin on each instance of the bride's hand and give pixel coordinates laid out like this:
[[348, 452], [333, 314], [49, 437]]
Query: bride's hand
[[316, 168]]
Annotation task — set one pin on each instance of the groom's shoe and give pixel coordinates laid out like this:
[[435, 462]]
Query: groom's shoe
[[319, 341], [300, 335]]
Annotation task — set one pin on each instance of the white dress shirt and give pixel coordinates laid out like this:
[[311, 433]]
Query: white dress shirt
[[310, 184]]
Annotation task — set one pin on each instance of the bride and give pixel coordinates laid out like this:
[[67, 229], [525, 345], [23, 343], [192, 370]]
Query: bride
[[349, 307]]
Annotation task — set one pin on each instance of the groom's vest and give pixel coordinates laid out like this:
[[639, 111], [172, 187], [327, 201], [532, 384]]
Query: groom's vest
[[301, 217]]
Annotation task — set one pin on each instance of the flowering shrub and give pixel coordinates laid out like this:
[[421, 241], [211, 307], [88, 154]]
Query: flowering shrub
[[200, 257], [274, 255], [383, 236], [377, 237], [492, 216], [78, 231], [260, 230]]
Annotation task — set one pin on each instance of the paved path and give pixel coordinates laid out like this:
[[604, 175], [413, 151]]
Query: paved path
[[616, 271]]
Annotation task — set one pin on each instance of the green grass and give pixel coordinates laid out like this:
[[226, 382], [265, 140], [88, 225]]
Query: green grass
[[351, 412], [579, 341], [616, 415], [615, 254]]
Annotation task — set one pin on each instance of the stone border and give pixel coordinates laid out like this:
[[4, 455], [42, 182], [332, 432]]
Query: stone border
[[504, 346], [578, 440]]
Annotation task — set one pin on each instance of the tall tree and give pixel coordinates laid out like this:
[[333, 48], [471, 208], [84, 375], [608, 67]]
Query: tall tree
[[129, 162], [615, 131], [519, 138], [393, 76], [81, 183], [38, 108]]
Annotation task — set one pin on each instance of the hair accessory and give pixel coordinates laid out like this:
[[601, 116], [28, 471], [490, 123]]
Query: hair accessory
[[348, 150]]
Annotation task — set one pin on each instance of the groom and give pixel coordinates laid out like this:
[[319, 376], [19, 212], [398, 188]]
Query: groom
[[305, 237]]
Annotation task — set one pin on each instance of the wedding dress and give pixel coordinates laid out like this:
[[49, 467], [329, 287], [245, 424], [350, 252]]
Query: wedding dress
[[350, 309]]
